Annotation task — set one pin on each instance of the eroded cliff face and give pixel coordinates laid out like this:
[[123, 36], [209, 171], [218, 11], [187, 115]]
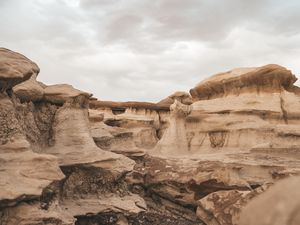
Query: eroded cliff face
[[52, 172], [199, 158]]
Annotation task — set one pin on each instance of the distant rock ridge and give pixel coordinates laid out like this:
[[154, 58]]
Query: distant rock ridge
[[96, 104], [198, 158]]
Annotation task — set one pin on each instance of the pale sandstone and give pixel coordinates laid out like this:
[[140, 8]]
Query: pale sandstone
[[78, 147], [269, 78], [29, 90], [130, 132], [15, 68], [180, 96], [61, 93]]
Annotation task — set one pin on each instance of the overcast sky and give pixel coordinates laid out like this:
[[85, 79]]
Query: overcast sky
[[147, 49]]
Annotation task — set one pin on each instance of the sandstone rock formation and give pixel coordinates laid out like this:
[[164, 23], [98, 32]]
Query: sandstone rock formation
[[216, 154], [180, 96], [24, 174], [128, 128], [270, 78], [62, 93], [29, 90], [51, 169], [198, 158], [14, 68]]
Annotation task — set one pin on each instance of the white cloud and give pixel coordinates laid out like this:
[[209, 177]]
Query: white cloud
[[146, 49]]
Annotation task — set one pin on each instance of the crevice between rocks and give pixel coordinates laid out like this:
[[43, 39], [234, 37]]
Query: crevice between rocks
[[284, 112]]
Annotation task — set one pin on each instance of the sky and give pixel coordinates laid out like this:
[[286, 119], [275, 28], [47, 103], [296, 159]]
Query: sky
[[145, 50]]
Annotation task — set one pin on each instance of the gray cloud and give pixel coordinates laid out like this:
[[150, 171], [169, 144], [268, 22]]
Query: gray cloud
[[146, 49]]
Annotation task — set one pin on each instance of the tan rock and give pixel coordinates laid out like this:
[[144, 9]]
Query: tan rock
[[269, 78], [23, 173], [14, 68], [224, 207], [174, 139], [129, 204], [180, 96], [95, 115], [61, 93], [34, 173], [30, 90], [131, 132], [32, 214], [280, 205], [74, 144], [239, 121]]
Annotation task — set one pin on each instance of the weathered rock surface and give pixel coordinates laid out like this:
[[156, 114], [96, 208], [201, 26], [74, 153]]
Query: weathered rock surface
[[61, 93], [24, 174], [67, 158], [30, 90], [174, 139], [14, 68], [26, 213], [127, 128], [270, 78], [243, 120], [73, 148], [180, 96], [51, 169], [278, 205]]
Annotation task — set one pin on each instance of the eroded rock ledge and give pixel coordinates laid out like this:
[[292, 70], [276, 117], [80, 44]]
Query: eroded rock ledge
[[198, 158], [270, 78]]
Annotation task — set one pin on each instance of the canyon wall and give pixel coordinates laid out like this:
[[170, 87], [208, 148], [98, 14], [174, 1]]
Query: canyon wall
[[204, 157]]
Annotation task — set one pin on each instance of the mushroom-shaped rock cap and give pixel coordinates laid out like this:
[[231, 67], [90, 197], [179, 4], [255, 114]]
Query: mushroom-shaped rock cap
[[180, 96], [30, 90], [269, 78], [14, 68], [61, 93]]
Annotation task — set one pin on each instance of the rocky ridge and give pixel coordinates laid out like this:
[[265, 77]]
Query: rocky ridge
[[198, 158]]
